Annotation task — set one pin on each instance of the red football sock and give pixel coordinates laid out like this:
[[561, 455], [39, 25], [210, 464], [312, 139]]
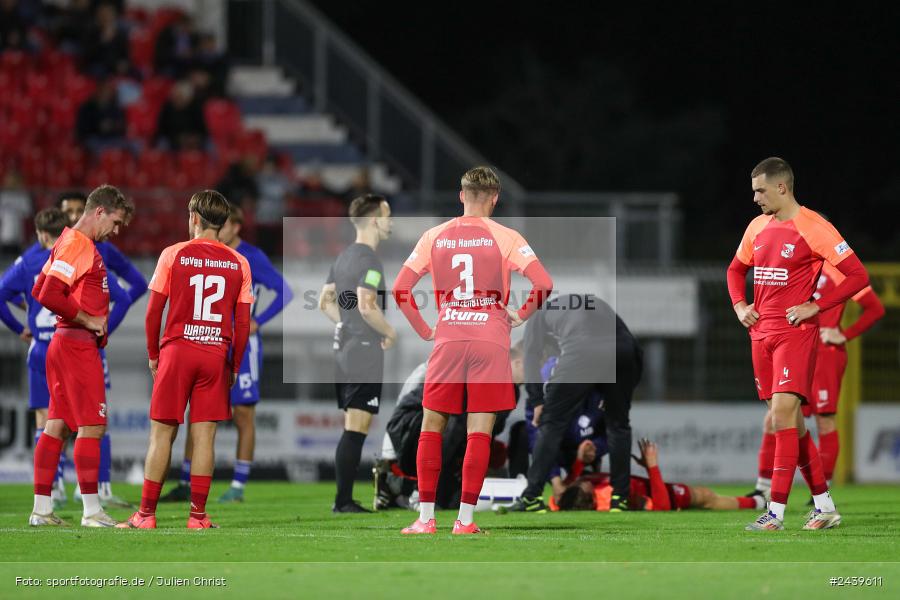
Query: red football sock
[[745, 502], [475, 464], [787, 451], [829, 446], [428, 464], [811, 465], [87, 463], [199, 493], [767, 455], [46, 461], [150, 496]]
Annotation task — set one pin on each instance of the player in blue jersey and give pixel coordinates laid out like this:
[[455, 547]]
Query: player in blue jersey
[[245, 394], [15, 285], [119, 269]]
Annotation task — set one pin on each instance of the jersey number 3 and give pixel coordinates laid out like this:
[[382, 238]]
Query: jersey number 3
[[466, 289], [203, 306]]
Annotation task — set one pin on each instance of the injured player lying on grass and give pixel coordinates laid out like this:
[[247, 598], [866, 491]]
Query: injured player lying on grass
[[649, 493]]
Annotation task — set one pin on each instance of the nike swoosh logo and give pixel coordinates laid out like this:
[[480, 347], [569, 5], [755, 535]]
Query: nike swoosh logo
[[784, 382], [758, 247]]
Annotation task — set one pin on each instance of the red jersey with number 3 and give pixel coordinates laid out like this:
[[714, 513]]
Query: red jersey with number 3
[[470, 260], [787, 260], [204, 281]]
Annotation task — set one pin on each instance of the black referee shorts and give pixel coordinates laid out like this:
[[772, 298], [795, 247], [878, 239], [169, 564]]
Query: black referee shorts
[[359, 373]]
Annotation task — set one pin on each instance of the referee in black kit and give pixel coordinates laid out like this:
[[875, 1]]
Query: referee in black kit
[[354, 298], [586, 334]]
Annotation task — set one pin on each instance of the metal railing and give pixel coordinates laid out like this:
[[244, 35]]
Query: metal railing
[[383, 117]]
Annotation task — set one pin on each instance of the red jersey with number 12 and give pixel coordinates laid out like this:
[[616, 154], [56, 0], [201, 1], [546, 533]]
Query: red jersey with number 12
[[204, 281], [470, 260]]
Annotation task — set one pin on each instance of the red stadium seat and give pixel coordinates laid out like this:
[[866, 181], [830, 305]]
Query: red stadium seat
[[155, 164], [40, 89], [96, 178], [253, 143], [63, 112], [24, 113], [142, 121], [118, 164], [223, 119], [164, 17], [79, 88], [137, 15], [73, 160], [156, 90], [56, 65], [15, 63], [194, 165], [142, 47], [33, 165]]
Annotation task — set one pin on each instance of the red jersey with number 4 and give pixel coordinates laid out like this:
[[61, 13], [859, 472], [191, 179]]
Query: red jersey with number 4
[[204, 281], [787, 260], [75, 261], [470, 260]]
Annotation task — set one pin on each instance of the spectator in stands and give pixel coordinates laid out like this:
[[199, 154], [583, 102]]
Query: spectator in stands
[[13, 26], [239, 183], [15, 206], [69, 23], [105, 44], [181, 123], [312, 188], [210, 64], [175, 47], [360, 184], [101, 121], [272, 186]]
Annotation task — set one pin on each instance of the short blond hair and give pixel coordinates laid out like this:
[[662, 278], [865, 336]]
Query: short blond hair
[[212, 207], [481, 180]]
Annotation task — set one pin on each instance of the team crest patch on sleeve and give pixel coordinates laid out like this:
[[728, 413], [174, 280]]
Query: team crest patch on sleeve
[[842, 248], [61, 266], [526, 251], [413, 256], [373, 277]]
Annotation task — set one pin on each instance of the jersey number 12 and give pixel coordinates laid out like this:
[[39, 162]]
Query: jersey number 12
[[203, 306]]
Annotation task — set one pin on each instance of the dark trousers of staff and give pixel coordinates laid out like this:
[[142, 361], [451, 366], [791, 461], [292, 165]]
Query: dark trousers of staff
[[562, 400]]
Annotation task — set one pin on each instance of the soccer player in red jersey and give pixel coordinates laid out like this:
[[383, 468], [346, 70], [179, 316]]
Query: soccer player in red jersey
[[831, 361], [786, 246], [73, 284], [208, 288], [470, 259], [594, 492]]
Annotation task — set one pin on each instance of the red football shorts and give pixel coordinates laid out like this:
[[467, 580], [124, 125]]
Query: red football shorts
[[831, 361], [784, 362], [75, 380], [472, 376], [188, 373], [679, 496]]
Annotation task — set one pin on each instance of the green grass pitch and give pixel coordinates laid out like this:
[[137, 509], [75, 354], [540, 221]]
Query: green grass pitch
[[283, 542]]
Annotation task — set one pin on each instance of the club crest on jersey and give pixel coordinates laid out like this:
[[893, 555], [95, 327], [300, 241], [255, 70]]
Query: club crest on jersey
[[103, 409], [787, 250]]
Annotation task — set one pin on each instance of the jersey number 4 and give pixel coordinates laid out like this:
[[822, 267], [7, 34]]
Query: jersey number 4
[[203, 306], [466, 289]]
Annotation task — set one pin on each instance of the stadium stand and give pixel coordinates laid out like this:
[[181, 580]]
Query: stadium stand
[[159, 123]]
